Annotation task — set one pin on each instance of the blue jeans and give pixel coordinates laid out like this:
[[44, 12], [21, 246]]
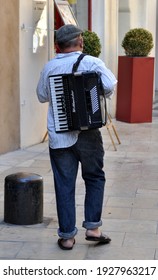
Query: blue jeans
[[89, 151]]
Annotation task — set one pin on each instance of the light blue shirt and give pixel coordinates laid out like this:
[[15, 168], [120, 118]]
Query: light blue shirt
[[61, 64]]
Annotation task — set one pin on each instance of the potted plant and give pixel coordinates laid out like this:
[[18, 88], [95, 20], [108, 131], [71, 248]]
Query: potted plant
[[92, 45], [135, 78]]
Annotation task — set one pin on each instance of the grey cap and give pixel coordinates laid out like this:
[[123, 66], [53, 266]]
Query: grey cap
[[67, 33]]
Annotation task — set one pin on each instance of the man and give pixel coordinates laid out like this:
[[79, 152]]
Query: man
[[67, 149]]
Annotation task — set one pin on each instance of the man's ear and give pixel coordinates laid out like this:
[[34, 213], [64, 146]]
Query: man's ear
[[81, 42], [57, 48]]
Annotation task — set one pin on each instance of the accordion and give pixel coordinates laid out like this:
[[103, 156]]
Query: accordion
[[78, 101]]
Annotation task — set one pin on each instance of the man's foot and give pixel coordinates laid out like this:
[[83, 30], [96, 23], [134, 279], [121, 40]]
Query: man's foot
[[66, 244], [96, 235]]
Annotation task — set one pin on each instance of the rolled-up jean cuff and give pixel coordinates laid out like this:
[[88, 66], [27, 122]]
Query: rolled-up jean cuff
[[67, 235], [91, 225]]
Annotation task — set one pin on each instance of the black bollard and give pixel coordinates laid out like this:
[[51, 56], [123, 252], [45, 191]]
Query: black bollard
[[23, 199]]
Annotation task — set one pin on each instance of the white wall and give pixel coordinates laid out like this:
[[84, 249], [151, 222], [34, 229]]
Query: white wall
[[123, 22], [33, 114], [106, 26], [81, 13]]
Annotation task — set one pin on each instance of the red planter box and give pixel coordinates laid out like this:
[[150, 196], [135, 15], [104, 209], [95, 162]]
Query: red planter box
[[135, 89]]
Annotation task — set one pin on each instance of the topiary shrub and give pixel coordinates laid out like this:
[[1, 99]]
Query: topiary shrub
[[138, 42], [92, 45]]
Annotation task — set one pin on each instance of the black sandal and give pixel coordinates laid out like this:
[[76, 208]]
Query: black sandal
[[104, 239], [63, 247]]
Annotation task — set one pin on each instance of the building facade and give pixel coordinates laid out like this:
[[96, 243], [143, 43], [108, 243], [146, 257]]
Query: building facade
[[27, 43]]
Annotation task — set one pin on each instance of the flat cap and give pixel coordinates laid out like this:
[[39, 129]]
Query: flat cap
[[67, 33]]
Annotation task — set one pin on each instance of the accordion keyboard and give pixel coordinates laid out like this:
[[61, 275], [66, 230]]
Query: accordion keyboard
[[58, 102]]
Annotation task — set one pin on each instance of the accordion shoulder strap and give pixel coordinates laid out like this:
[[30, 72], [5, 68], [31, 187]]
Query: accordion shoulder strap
[[76, 64]]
